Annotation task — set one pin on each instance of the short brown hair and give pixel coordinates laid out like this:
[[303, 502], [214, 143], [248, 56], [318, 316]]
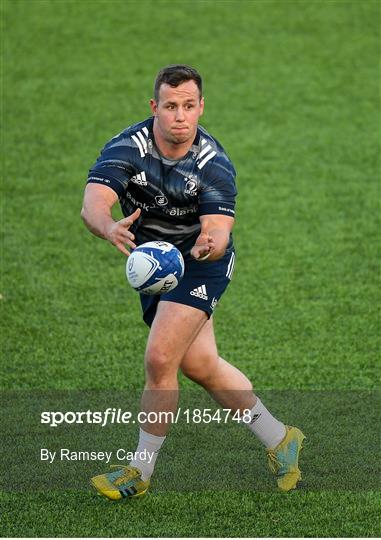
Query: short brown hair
[[176, 74]]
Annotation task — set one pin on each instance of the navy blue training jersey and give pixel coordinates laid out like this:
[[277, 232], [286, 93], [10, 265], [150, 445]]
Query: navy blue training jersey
[[172, 194]]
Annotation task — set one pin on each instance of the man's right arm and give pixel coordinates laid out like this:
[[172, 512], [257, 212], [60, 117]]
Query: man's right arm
[[96, 214]]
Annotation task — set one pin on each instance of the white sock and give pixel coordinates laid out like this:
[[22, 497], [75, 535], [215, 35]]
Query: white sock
[[267, 428], [146, 453]]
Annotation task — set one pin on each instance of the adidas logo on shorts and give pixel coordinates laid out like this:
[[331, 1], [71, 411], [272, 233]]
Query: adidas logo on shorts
[[200, 292]]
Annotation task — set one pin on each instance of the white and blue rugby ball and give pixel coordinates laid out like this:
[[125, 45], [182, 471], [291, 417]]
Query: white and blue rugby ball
[[155, 268]]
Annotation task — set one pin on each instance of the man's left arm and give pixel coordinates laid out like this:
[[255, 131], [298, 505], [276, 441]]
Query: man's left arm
[[213, 238]]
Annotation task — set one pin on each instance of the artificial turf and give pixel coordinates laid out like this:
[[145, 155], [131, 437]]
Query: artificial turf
[[292, 92]]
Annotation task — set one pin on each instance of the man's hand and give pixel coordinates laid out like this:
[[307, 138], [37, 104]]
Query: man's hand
[[119, 235], [203, 247], [96, 213], [213, 238]]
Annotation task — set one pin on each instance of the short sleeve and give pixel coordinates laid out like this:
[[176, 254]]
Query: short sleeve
[[112, 168], [218, 193]]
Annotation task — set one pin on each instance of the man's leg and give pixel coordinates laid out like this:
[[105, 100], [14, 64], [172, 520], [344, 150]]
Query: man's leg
[[173, 330], [232, 390], [228, 385]]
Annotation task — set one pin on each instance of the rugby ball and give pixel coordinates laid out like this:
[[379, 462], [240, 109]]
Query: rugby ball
[[155, 268]]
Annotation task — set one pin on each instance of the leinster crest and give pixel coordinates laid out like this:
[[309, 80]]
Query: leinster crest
[[190, 185]]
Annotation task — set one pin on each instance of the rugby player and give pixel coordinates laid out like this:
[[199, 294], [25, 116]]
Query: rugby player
[[174, 182]]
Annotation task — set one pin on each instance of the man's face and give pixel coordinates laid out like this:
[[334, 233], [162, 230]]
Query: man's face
[[177, 112]]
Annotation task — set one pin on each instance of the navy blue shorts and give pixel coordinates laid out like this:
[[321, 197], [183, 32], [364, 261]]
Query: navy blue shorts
[[201, 287]]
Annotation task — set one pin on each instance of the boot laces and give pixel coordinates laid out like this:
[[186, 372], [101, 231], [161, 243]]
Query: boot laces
[[274, 463], [126, 474]]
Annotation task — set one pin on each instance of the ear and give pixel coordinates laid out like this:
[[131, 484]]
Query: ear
[[153, 105], [202, 103]]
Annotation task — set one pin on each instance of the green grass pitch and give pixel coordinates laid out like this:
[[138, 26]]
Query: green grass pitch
[[292, 92]]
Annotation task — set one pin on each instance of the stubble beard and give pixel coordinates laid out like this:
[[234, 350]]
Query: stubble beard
[[171, 138], [181, 138]]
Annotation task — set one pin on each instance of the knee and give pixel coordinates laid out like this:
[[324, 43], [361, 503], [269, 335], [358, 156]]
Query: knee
[[159, 365], [201, 372]]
